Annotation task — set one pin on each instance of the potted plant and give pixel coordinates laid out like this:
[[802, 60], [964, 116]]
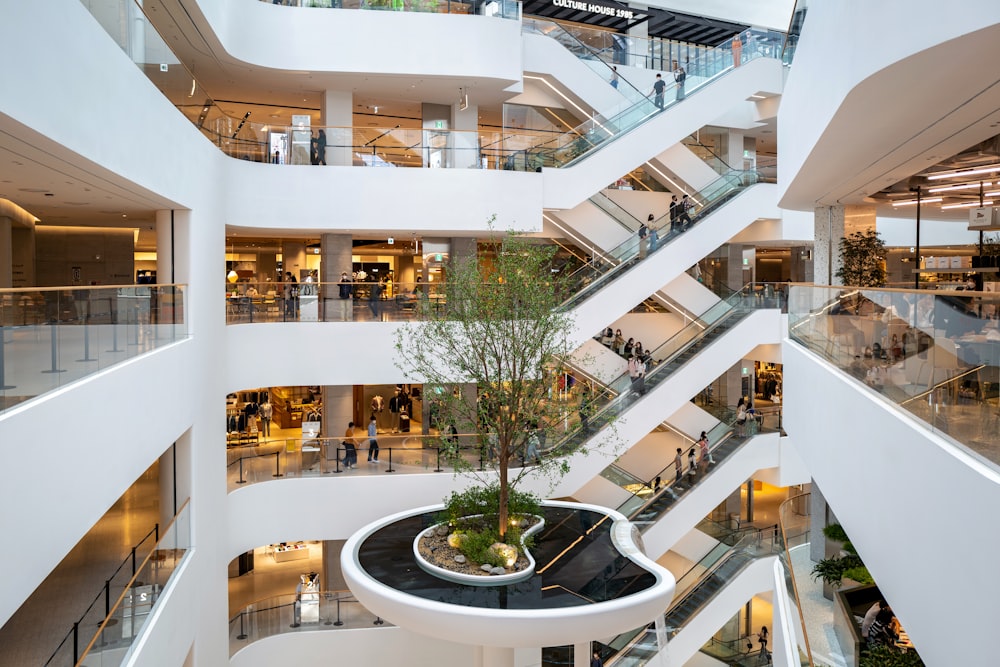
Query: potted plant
[[862, 260], [499, 327], [842, 564]]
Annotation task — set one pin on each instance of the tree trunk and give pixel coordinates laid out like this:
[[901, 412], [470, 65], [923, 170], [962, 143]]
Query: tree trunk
[[502, 501]]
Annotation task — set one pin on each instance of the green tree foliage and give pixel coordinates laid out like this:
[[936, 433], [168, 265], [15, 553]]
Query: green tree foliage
[[890, 656], [499, 327], [862, 259]]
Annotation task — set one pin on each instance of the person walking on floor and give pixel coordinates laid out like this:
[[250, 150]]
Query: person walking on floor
[[375, 299], [321, 148], [658, 87], [372, 440], [350, 459], [737, 47]]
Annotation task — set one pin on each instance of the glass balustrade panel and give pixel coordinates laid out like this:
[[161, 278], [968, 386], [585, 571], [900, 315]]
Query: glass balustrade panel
[[55, 336], [934, 353]]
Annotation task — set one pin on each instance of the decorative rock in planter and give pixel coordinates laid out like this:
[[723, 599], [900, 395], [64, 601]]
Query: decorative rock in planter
[[492, 574]]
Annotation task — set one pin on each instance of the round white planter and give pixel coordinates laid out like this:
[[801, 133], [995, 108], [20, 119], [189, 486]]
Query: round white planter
[[490, 626], [477, 579]]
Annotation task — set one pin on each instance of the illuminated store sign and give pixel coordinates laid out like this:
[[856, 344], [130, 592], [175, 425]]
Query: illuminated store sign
[[593, 8]]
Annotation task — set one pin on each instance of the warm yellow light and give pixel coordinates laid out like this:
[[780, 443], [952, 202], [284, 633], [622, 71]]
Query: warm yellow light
[[911, 202], [232, 276]]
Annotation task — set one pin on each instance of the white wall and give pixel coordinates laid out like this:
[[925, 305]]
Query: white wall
[[374, 646], [297, 197], [72, 452], [340, 40], [834, 145], [911, 502]]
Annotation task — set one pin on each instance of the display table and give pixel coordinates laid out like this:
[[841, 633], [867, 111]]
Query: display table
[[291, 552]]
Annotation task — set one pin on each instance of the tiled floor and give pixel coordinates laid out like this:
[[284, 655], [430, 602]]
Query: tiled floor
[[33, 633]]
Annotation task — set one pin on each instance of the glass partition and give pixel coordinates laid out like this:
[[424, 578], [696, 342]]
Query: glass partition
[[112, 645], [299, 612], [52, 336], [935, 354]]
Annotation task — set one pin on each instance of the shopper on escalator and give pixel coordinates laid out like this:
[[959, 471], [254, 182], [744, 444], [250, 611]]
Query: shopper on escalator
[[679, 76], [658, 87]]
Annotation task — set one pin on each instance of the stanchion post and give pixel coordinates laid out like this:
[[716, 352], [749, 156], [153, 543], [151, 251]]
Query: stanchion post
[[3, 340], [241, 480], [389, 469], [243, 634], [438, 468], [378, 621], [337, 469], [338, 622], [277, 465], [76, 642], [52, 328]]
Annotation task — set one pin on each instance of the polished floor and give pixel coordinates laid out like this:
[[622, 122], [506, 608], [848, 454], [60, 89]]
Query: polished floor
[[35, 631]]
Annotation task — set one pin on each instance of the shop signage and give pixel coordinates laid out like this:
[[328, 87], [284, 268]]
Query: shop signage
[[594, 8], [985, 217]]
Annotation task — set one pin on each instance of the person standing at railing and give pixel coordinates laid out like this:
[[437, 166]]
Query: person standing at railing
[[345, 291], [658, 87], [737, 51], [321, 148], [680, 76]]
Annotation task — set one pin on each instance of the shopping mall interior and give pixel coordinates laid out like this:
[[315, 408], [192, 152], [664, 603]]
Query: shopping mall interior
[[246, 211]]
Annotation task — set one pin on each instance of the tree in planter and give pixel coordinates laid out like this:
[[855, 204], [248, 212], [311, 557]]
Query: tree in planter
[[862, 259], [499, 327]]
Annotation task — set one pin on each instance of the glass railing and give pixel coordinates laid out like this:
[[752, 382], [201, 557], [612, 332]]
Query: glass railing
[[794, 523], [253, 302], [313, 457], [707, 155], [935, 354], [394, 146], [112, 645], [592, 134], [611, 264], [68, 651], [299, 612], [507, 9], [52, 336]]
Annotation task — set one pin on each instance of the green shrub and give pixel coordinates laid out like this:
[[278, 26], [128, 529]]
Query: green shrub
[[835, 532], [859, 574], [890, 656], [831, 570], [486, 500]]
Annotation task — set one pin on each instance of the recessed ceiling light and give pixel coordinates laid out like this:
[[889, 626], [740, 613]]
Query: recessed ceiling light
[[32, 190]]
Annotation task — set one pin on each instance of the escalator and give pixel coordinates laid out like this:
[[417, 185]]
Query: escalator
[[648, 268]]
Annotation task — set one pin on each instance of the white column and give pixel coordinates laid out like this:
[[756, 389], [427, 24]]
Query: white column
[[164, 248], [136, 32], [6, 252], [581, 654], [494, 656], [337, 120], [832, 223]]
